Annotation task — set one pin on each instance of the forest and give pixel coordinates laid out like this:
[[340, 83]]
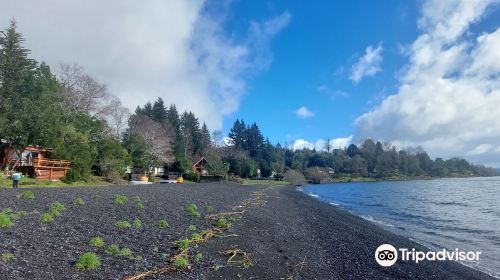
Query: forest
[[75, 114]]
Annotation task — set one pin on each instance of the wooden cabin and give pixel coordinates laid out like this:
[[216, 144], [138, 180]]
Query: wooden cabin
[[34, 162], [202, 166]]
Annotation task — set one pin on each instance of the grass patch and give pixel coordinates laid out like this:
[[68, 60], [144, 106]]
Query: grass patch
[[122, 224], [5, 221], [272, 183], [122, 253], [222, 223], [181, 263], [195, 236], [113, 249], [192, 209], [209, 208], [27, 195], [27, 182], [198, 257], [163, 224], [191, 228], [7, 257], [46, 218], [183, 244], [88, 261], [97, 242], [78, 201], [56, 208], [120, 199], [139, 206], [137, 224], [136, 199]]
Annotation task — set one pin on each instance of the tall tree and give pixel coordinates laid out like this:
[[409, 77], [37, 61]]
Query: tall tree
[[159, 112], [237, 134]]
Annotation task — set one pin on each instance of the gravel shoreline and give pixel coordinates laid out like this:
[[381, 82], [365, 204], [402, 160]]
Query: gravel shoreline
[[284, 234]]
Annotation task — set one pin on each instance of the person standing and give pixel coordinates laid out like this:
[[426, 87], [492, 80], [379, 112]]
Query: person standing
[[15, 179]]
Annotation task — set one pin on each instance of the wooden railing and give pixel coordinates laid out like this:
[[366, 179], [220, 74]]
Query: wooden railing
[[52, 163]]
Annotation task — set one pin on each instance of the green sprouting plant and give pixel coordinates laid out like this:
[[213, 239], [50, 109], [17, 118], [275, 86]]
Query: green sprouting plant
[[78, 201], [137, 224], [181, 263], [56, 208], [113, 249], [191, 228], [163, 224], [198, 257], [120, 199], [88, 261], [97, 242], [5, 221], [125, 252], [222, 223], [184, 244], [7, 257], [136, 199], [26, 195], [209, 208], [122, 224], [18, 215], [46, 218], [139, 206], [193, 210], [195, 236]]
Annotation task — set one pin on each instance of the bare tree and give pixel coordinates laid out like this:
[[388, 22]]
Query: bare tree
[[157, 138], [116, 116], [217, 139], [81, 92]]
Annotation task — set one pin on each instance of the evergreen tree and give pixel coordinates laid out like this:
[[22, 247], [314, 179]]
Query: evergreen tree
[[159, 112], [205, 139], [237, 135]]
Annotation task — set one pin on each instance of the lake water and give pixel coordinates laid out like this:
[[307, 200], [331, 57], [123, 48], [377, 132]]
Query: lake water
[[444, 213]]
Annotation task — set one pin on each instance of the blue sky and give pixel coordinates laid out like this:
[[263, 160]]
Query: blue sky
[[414, 73]]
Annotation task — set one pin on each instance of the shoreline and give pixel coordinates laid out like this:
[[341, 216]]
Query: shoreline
[[280, 233]]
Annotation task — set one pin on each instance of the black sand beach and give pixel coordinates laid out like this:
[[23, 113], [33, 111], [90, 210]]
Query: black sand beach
[[278, 232]]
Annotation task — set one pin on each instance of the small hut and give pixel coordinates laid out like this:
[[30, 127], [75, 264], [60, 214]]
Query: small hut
[[202, 167]]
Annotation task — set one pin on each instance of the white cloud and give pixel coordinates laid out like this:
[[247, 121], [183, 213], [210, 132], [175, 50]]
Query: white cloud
[[303, 113], [367, 65], [174, 49], [450, 92], [320, 144], [331, 92]]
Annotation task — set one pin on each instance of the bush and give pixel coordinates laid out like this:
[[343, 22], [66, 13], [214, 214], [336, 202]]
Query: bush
[[125, 252], [26, 195], [194, 177], [123, 224], [97, 242], [137, 224], [198, 257], [294, 177], [120, 199], [78, 201], [5, 221], [184, 244], [113, 249], [193, 210], [7, 257], [163, 224], [139, 206], [181, 263], [222, 223], [195, 236], [316, 175], [46, 218], [88, 261], [191, 228], [278, 176], [56, 208]]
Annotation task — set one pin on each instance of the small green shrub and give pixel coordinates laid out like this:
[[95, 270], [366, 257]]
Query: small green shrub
[[120, 199], [195, 236], [78, 201], [18, 215], [46, 218], [7, 257], [193, 210], [137, 224], [88, 261], [163, 224], [191, 228], [184, 244], [209, 208], [113, 249], [97, 242], [222, 223], [198, 257], [56, 208], [181, 263], [125, 253], [136, 199], [26, 195], [139, 206], [123, 224], [5, 221]]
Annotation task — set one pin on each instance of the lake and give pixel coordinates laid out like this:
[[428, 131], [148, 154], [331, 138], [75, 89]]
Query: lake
[[450, 213]]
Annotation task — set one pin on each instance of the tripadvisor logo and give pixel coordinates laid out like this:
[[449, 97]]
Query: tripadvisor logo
[[387, 255]]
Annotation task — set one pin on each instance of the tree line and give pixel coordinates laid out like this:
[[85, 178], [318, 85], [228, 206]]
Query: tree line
[[76, 115]]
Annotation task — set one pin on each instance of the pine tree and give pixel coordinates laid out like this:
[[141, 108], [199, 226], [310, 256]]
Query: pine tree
[[206, 140], [237, 134], [159, 112]]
